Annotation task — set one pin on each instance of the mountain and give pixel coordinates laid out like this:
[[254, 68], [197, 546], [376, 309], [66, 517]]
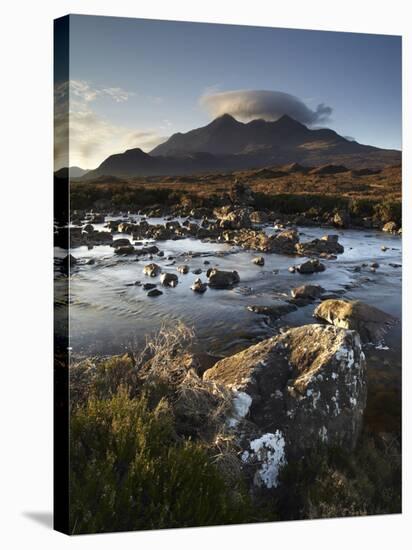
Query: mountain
[[74, 171], [227, 144]]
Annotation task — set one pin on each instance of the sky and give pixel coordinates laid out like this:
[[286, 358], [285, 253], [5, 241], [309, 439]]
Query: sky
[[133, 83]]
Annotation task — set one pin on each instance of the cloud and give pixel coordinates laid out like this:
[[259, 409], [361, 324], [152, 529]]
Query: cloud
[[92, 137], [246, 105]]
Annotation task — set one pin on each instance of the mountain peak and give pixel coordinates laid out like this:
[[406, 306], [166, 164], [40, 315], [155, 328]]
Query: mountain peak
[[224, 119]]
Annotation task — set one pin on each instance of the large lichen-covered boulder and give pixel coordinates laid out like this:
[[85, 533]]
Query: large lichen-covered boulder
[[370, 322], [293, 390]]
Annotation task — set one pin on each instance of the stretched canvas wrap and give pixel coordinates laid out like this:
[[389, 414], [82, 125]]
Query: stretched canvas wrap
[[227, 274]]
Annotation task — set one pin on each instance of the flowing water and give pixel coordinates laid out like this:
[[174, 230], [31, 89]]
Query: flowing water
[[108, 313]]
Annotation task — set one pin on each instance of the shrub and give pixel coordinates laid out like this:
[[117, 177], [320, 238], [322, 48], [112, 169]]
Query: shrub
[[335, 482], [130, 471]]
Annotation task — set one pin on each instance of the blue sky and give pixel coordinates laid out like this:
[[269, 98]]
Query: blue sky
[[144, 79]]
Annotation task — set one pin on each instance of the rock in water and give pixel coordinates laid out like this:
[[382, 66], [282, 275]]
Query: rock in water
[[307, 292], [371, 322], [198, 286], [259, 261], [169, 279], [183, 269], [154, 292], [222, 279], [303, 386], [311, 266], [328, 244], [152, 270]]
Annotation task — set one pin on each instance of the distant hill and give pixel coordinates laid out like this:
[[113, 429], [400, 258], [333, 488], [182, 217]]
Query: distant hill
[[227, 144], [75, 172]]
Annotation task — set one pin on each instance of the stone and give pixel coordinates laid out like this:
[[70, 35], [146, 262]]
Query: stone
[[152, 270], [183, 269], [311, 266], [259, 217], [307, 292], [222, 279], [149, 286], [307, 385], [370, 322], [390, 227], [169, 279], [198, 286], [341, 219], [154, 292], [325, 246], [120, 242], [259, 261], [125, 250], [273, 311]]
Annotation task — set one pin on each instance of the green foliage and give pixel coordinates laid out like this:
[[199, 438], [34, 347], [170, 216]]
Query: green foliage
[[129, 470]]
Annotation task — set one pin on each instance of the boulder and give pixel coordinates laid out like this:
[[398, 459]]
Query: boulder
[[324, 246], [390, 227], [152, 270], [311, 266], [238, 218], [222, 279], [198, 286], [169, 279], [88, 228], [183, 269], [307, 292], [304, 386], [370, 322]]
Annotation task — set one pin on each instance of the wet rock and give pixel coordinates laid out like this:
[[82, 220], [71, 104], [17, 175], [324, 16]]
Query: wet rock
[[390, 227], [273, 311], [384, 248], [375, 265], [292, 269], [222, 279], [120, 242], [370, 322], [154, 292], [311, 266], [325, 246], [88, 228], [169, 279], [304, 386], [197, 271], [341, 219], [91, 261], [198, 286], [149, 286], [152, 270], [183, 269], [307, 292], [125, 250], [238, 218], [259, 217], [259, 261]]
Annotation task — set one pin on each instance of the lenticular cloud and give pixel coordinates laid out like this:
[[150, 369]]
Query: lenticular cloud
[[246, 105]]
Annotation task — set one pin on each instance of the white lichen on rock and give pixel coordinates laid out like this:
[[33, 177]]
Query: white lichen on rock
[[241, 405], [269, 451]]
